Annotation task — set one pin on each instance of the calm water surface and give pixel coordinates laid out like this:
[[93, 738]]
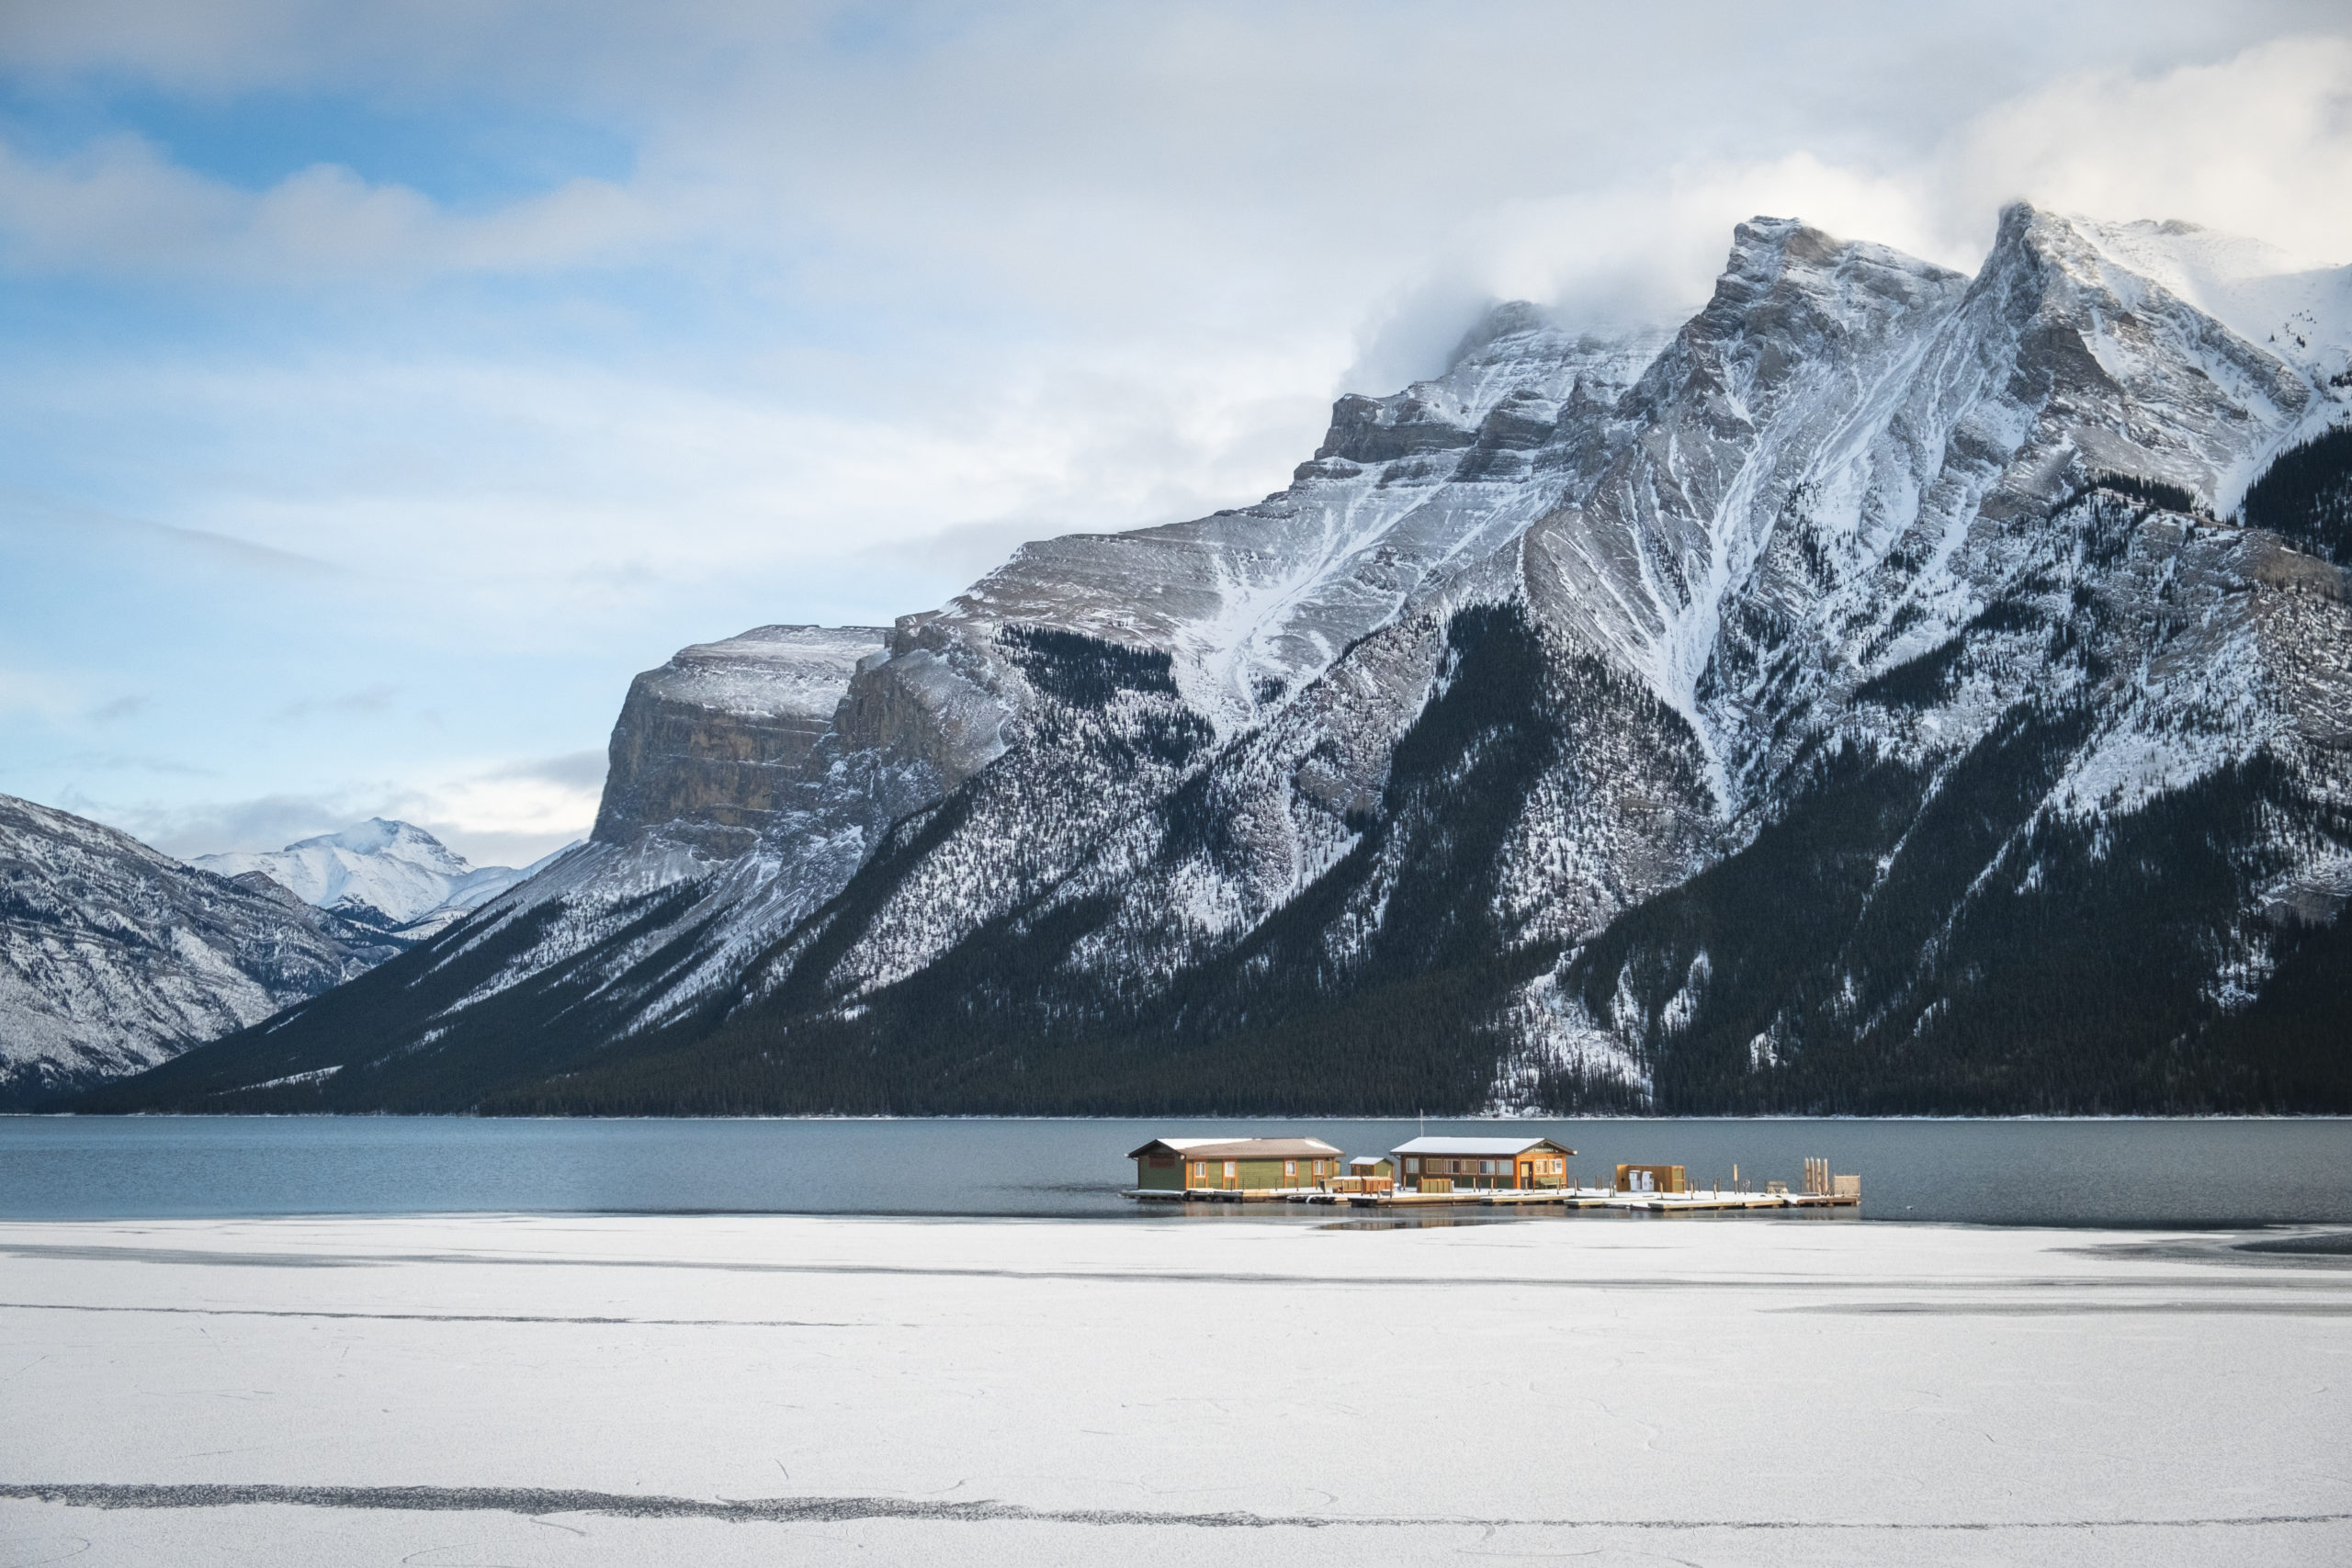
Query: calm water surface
[[2221, 1174]]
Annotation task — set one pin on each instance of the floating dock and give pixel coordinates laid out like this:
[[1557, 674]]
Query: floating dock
[[1450, 1172], [1701, 1202]]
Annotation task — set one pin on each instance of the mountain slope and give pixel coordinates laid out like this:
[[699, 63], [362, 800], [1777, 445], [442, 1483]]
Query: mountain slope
[[114, 957], [1820, 705]]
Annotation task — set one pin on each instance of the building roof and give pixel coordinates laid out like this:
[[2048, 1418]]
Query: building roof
[[1486, 1146], [1369, 1160], [1239, 1149]]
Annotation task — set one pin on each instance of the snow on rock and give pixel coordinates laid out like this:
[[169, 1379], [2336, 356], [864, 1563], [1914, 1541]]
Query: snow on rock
[[395, 870], [1625, 590], [114, 957]]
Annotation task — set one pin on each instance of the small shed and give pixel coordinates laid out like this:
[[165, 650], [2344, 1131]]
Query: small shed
[[1368, 1173], [1483, 1163], [1233, 1164], [1651, 1179]]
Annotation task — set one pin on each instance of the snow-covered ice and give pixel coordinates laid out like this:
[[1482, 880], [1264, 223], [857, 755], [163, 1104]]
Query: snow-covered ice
[[722, 1390]]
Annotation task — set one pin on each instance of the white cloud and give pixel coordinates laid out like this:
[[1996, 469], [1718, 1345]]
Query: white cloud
[[120, 206], [2260, 144], [493, 813]]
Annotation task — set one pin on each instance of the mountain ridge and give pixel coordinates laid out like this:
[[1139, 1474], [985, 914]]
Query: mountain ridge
[[1473, 746], [115, 957]]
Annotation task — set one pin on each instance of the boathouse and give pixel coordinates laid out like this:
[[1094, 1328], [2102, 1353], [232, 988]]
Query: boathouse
[[1459, 1165], [1234, 1164]]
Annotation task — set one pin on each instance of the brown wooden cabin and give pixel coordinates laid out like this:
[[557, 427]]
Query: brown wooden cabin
[[1234, 1164], [1482, 1164]]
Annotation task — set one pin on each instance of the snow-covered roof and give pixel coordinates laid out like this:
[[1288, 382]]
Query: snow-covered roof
[[1368, 1159], [1443, 1146], [1240, 1148]]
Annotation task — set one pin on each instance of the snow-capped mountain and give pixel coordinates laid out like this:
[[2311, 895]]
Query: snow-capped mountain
[[1865, 696], [114, 957], [392, 875]]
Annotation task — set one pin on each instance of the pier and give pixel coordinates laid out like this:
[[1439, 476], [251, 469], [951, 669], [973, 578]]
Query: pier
[[1487, 1173], [1701, 1202]]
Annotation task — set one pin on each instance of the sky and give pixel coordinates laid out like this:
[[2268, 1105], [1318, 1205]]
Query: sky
[[383, 385]]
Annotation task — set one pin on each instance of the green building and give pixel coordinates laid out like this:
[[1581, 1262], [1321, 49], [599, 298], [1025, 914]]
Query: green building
[[1233, 1164]]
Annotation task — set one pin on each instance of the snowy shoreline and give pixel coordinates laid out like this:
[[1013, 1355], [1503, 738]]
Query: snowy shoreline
[[720, 1389]]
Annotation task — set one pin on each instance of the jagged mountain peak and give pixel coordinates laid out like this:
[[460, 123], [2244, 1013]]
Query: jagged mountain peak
[[2127, 376]]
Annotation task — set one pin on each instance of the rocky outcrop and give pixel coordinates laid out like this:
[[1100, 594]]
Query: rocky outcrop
[[707, 743]]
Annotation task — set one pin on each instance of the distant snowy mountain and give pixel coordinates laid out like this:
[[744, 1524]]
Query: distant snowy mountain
[[393, 875], [114, 957], [1890, 690]]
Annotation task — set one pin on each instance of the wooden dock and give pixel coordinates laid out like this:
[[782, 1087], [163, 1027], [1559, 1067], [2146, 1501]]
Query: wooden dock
[[1702, 1202], [1227, 1194]]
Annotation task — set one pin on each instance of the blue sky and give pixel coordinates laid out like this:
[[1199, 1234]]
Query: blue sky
[[382, 387]]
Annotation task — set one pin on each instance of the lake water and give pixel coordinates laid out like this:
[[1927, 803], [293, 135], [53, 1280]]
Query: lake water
[[2217, 1174]]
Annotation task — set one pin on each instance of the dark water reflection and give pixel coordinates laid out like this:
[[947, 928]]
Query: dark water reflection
[[2221, 1174]]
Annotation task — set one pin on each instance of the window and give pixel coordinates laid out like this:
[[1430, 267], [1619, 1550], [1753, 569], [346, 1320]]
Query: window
[[1485, 1167], [1232, 1169], [1290, 1169], [1412, 1166], [1163, 1162]]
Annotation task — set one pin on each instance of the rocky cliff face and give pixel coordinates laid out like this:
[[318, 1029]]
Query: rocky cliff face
[[1839, 701], [114, 957], [712, 743]]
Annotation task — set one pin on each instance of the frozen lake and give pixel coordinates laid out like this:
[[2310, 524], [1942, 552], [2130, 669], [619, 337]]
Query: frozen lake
[[2216, 1173], [599, 1389]]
